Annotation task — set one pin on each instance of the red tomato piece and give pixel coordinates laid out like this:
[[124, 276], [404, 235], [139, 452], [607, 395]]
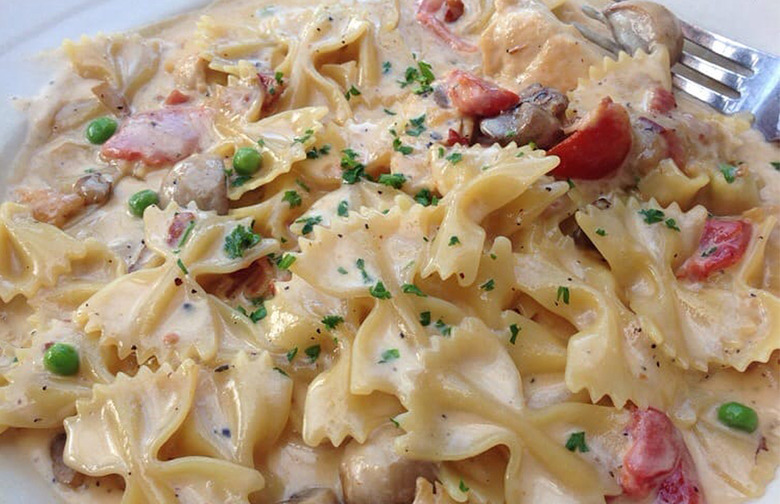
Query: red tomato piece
[[454, 10], [598, 147], [658, 461], [159, 137], [176, 97], [722, 244], [475, 96], [453, 138]]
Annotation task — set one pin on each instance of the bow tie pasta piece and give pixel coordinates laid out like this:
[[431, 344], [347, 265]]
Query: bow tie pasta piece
[[33, 396], [468, 399], [482, 181], [334, 412], [609, 354], [721, 320], [239, 411], [163, 311], [32, 254], [122, 428]]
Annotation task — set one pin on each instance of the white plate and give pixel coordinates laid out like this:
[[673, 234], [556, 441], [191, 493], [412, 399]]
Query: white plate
[[30, 26]]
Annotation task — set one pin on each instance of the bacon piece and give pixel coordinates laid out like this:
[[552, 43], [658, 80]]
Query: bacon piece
[[159, 137], [255, 281], [598, 147], [455, 138], [659, 461], [426, 16], [475, 96], [722, 244], [179, 223], [176, 97], [50, 206], [661, 101], [674, 147], [453, 11], [271, 87]]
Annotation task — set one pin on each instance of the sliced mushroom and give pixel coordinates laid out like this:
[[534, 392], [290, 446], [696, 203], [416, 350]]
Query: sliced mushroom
[[373, 472], [638, 25], [62, 473], [200, 179], [313, 496], [549, 99], [94, 188]]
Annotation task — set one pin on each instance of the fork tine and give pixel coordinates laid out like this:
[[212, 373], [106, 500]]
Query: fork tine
[[721, 45], [703, 93], [713, 71]]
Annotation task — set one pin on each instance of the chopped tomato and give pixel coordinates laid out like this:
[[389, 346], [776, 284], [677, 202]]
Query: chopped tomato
[[176, 97], [598, 147], [453, 11], [661, 101], [475, 96], [179, 223], [658, 461], [722, 244], [159, 137], [426, 15], [455, 138]]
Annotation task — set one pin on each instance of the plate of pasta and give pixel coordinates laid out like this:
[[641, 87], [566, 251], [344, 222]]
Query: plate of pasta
[[394, 252]]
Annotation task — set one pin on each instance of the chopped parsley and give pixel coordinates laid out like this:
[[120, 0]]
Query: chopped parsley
[[443, 328], [514, 330], [379, 291], [601, 232], [331, 321], [309, 223], [281, 371], [652, 215], [389, 355], [285, 261], [576, 442], [570, 182], [775, 165], [354, 170], [415, 126], [313, 352], [352, 91], [395, 180], [343, 209], [441, 152], [729, 172], [671, 224], [279, 76], [454, 240], [240, 180], [304, 138], [293, 198], [342, 271], [398, 146], [256, 315], [389, 112], [395, 422], [185, 234], [360, 264], [315, 153], [455, 158], [422, 75], [412, 289], [709, 251], [426, 198], [291, 354], [425, 318], [181, 266], [488, 286], [239, 240], [386, 66], [563, 293], [463, 487], [302, 185]]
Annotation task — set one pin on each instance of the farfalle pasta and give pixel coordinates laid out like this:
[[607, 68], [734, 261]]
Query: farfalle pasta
[[388, 252]]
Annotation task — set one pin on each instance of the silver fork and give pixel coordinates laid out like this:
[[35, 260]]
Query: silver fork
[[725, 74]]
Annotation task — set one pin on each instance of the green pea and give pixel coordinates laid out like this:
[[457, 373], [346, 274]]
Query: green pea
[[61, 359], [140, 200], [738, 416], [101, 129], [246, 161]]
